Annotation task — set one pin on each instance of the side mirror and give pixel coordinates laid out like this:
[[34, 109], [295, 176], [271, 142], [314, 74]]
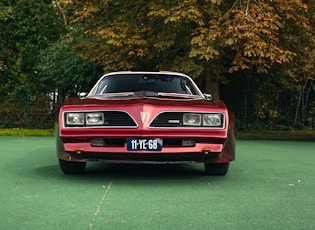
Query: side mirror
[[207, 96], [82, 95]]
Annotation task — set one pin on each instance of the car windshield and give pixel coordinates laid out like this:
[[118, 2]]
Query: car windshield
[[161, 83]]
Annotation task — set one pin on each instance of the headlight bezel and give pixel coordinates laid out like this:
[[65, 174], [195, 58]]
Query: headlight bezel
[[85, 121], [207, 120]]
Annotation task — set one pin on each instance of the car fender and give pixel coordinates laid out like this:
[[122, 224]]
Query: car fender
[[229, 149]]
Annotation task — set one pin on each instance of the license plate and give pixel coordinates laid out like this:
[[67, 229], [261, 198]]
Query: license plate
[[149, 144]]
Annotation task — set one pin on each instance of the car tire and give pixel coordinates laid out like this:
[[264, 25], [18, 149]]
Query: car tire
[[70, 167], [216, 169]]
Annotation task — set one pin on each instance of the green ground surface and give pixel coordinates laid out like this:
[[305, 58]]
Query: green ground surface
[[270, 186]]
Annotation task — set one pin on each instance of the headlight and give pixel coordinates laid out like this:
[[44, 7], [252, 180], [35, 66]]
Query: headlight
[[192, 119], [204, 119], [214, 119], [75, 118], [94, 118]]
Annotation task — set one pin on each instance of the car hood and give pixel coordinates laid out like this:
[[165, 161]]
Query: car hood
[[170, 100]]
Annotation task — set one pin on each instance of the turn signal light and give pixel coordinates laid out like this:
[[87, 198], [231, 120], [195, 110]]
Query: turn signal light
[[206, 150], [78, 150]]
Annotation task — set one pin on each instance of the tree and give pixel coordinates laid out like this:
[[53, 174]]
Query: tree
[[4, 14], [208, 38], [27, 26], [63, 72]]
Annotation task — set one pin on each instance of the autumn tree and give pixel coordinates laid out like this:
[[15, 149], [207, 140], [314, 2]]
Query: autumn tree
[[208, 39]]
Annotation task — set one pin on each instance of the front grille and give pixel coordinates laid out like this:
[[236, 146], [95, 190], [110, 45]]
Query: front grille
[[168, 119], [118, 118]]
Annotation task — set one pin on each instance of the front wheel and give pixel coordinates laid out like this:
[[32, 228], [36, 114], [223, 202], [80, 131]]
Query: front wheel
[[216, 169], [70, 167]]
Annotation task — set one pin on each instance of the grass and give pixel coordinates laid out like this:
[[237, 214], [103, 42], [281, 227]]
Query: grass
[[252, 134], [27, 132], [277, 135]]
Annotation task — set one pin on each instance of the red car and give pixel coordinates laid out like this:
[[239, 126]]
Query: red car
[[145, 117]]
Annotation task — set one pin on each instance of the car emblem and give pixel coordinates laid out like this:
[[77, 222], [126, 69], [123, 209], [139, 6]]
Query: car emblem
[[143, 116]]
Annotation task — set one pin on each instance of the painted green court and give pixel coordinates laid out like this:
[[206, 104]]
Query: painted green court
[[270, 186]]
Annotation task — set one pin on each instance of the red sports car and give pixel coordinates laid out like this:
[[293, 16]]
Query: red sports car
[[145, 117]]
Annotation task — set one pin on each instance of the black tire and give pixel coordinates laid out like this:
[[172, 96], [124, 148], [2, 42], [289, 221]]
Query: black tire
[[69, 167], [216, 169]]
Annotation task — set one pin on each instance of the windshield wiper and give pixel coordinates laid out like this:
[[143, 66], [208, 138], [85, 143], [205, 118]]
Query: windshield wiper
[[123, 94], [178, 95], [145, 94]]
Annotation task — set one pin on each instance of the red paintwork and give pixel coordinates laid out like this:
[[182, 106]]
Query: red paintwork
[[152, 107], [220, 141]]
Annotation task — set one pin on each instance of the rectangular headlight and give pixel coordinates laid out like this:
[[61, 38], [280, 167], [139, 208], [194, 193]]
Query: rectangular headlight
[[74, 118], [192, 119], [214, 119], [94, 118]]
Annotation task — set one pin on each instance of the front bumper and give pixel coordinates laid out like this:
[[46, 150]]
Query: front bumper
[[84, 152], [206, 149]]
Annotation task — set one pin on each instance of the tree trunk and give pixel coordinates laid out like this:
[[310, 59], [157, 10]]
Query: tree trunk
[[212, 85], [211, 81]]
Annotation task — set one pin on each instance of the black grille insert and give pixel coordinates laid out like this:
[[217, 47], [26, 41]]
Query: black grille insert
[[118, 118], [168, 119]]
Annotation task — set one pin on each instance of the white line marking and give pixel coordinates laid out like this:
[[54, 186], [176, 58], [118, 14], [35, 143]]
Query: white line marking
[[99, 206]]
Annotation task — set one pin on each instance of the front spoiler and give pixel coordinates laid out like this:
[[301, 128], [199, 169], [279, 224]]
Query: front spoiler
[[170, 158]]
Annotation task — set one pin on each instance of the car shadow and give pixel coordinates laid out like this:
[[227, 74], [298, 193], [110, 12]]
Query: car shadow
[[145, 170], [97, 172]]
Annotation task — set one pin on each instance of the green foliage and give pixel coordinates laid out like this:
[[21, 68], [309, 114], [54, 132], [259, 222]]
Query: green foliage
[[5, 12], [262, 49], [28, 27], [61, 69], [28, 109]]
